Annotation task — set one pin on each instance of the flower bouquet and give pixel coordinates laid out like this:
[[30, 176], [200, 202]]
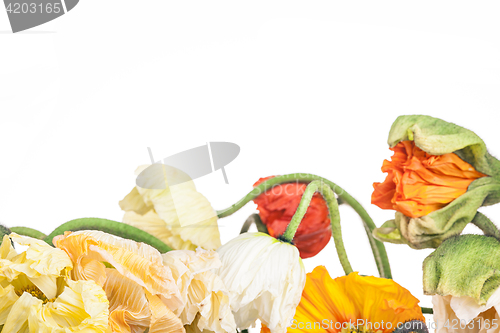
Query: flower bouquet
[[164, 269]]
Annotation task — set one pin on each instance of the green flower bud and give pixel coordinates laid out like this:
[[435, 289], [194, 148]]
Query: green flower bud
[[466, 265]]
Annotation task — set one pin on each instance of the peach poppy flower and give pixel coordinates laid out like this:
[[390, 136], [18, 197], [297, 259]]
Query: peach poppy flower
[[353, 303], [141, 291], [419, 183]]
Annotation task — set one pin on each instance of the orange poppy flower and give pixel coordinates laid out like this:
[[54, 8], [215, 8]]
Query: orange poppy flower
[[419, 183], [353, 303], [277, 206]]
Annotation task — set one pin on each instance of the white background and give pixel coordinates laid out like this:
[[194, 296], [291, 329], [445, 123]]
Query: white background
[[299, 86]]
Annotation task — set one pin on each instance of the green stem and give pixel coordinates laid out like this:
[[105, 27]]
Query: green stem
[[486, 225], [30, 232], [427, 310], [111, 227], [254, 218], [4, 231], [378, 248], [333, 209]]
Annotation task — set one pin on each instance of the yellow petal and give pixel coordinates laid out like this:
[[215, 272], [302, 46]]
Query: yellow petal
[[8, 297], [39, 259], [6, 249], [186, 212], [152, 224], [133, 202], [138, 262], [21, 311], [162, 318], [128, 305], [81, 307]]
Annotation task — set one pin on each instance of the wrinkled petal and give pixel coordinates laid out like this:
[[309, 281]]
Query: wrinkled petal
[[41, 263], [265, 278], [205, 295], [448, 321], [128, 305], [162, 318], [138, 262], [8, 297], [350, 298], [21, 311], [81, 306], [419, 183], [185, 212]]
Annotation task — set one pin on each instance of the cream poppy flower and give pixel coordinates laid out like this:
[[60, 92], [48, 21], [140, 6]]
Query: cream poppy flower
[[140, 289], [37, 296], [265, 278], [177, 214], [206, 298], [464, 314]]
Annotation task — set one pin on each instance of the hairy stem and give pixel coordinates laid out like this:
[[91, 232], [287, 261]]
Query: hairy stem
[[30, 232], [111, 227], [378, 248], [333, 208], [486, 225], [254, 218]]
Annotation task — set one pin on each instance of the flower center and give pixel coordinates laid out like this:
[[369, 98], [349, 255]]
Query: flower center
[[35, 292]]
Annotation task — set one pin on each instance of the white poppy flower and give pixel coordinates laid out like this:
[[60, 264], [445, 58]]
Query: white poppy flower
[[265, 278]]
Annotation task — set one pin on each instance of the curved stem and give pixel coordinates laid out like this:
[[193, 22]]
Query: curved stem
[[486, 225], [378, 248], [333, 209], [4, 231], [30, 232], [111, 227], [301, 210], [254, 218]]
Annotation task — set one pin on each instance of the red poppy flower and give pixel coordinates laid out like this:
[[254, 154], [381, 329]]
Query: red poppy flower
[[277, 206]]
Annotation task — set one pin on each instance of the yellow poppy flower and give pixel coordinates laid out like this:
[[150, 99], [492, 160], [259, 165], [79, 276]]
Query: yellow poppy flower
[[178, 215], [37, 296], [206, 298], [353, 303], [140, 289]]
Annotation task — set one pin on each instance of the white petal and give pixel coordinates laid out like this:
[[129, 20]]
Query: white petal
[[265, 278], [466, 308]]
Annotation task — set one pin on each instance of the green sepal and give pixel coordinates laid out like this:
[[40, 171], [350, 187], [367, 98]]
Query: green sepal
[[467, 265], [438, 137]]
